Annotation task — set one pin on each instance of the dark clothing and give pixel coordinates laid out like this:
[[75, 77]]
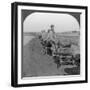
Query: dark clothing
[[57, 61]]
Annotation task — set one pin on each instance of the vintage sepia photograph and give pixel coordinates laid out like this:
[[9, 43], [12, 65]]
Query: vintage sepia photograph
[[50, 44]]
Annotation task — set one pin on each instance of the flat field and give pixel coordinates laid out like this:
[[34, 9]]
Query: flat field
[[35, 63]]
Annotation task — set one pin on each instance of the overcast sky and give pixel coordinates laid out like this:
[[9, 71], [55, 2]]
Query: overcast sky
[[36, 22]]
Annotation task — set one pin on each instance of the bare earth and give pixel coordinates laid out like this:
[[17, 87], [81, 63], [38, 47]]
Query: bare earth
[[35, 63]]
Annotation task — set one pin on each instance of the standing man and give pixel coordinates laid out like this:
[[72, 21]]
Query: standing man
[[50, 40], [51, 34]]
